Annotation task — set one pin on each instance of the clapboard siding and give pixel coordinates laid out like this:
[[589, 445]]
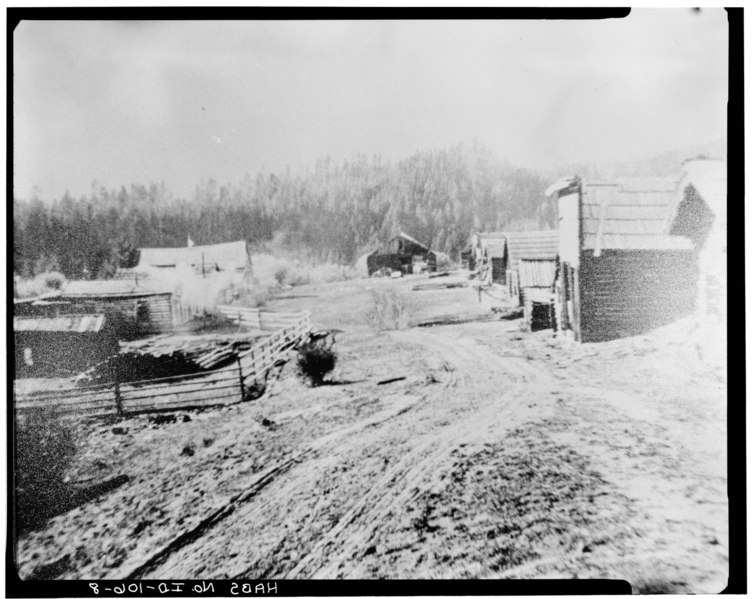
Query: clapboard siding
[[630, 292]]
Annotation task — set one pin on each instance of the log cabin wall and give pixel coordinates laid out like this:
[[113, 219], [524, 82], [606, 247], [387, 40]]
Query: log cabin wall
[[628, 292], [145, 313]]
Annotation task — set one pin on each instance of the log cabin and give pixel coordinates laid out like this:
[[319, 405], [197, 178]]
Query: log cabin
[[620, 271]]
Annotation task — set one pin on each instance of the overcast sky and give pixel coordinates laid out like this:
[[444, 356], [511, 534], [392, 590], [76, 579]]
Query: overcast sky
[[123, 102]]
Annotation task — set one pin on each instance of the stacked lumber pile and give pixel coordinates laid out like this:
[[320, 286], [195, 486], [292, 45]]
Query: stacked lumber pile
[[166, 356]]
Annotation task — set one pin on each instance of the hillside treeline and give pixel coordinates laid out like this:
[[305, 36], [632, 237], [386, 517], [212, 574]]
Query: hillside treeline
[[334, 212]]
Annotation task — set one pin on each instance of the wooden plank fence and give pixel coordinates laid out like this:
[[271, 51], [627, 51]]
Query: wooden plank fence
[[204, 389]]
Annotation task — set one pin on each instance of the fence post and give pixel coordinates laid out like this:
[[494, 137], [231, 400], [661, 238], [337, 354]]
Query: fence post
[[118, 399], [253, 361], [242, 384]]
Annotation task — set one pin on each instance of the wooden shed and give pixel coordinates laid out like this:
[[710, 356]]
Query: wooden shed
[[142, 309], [536, 281], [50, 346], [486, 253], [698, 212], [541, 246], [402, 253], [620, 272]]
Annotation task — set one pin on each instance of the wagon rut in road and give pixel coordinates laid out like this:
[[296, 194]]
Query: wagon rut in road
[[480, 401]]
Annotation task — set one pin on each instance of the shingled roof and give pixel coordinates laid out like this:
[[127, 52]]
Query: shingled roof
[[629, 214], [533, 245]]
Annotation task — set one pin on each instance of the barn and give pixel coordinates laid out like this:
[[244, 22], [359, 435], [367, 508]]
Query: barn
[[404, 254], [51, 346], [538, 246], [620, 272]]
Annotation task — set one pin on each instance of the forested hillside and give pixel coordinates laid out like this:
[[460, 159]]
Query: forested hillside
[[333, 212]]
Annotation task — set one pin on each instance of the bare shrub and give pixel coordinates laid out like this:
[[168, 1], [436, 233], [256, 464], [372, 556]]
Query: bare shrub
[[390, 309], [443, 262], [316, 359], [45, 447], [53, 281]]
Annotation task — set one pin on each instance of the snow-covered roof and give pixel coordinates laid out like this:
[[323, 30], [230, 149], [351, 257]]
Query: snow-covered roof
[[224, 256]]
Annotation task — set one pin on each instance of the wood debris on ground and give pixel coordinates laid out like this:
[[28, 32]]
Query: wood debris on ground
[[166, 356]]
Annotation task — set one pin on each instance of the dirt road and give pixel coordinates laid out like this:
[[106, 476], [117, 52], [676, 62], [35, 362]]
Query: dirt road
[[500, 454]]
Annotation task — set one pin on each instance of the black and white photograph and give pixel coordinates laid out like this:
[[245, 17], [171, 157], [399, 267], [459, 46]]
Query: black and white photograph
[[370, 296]]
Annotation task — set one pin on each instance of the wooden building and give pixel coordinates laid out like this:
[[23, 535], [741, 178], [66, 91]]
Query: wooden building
[[404, 254], [620, 271], [527, 245], [203, 259], [493, 259], [479, 242], [139, 309], [698, 212], [536, 282], [52, 346]]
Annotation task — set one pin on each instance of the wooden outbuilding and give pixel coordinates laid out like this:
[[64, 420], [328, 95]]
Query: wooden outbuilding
[[141, 309], [540, 246], [536, 281], [620, 271], [404, 254], [203, 259], [50, 346], [698, 212]]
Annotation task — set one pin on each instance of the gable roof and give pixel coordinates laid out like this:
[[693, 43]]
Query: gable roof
[[494, 247], [709, 178], [407, 237], [225, 256], [533, 245], [629, 214]]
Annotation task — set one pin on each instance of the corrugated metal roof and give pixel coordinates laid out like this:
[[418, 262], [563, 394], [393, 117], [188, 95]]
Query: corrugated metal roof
[[537, 273], [534, 245], [628, 214], [226, 256], [75, 323], [113, 288]]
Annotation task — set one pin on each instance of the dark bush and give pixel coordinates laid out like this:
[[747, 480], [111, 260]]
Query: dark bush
[[45, 447], [316, 359]]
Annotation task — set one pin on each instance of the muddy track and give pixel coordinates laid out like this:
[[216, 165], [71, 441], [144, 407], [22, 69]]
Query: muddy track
[[480, 395], [486, 393]]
